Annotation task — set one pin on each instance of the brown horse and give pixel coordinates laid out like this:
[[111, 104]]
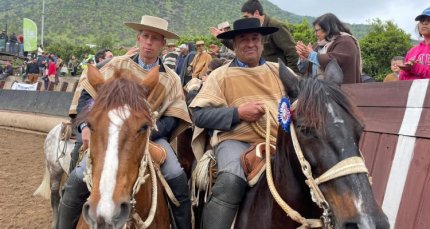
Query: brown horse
[[121, 175], [328, 132]]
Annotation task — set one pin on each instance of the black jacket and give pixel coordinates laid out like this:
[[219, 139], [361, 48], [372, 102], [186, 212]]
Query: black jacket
[[32, 68]]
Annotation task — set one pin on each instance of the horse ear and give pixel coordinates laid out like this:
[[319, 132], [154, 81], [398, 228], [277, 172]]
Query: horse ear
[[151, 79], [94, 76], [333, 72], [289, 79]]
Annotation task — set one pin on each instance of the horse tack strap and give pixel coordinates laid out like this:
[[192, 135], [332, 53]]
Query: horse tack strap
[[306, 223], [345, 167]]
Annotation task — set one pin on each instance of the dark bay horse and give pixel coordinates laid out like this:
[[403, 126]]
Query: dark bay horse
[[121, 175], [328, 132]]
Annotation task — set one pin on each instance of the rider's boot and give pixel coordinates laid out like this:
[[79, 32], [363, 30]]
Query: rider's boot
[[227, 194], [74, 196], [181, 214]]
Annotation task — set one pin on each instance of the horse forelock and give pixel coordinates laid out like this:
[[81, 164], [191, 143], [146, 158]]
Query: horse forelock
[[120, 90], [315, 99]]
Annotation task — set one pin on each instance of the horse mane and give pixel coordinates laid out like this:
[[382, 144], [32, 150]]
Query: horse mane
[[312, 100], [119, 90]]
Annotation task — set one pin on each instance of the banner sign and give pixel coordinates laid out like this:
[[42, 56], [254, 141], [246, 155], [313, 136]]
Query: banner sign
[[30, 35], [24, 86]]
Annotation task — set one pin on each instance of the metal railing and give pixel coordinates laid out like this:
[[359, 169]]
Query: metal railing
[[14, 48]]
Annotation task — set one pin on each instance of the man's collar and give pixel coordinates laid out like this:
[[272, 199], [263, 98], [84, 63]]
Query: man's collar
[[136, 59], [148, 67], [243, 65]]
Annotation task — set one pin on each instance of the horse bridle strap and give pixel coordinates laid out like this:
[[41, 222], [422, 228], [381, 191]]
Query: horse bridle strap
[[293, 214], [345, 167]]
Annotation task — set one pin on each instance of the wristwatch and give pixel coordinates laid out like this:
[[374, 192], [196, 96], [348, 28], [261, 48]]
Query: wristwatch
[[82, 126]]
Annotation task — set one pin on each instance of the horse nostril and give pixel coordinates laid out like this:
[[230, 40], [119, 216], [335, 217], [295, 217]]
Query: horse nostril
[[124, 212], [351, 226], [86, 214]]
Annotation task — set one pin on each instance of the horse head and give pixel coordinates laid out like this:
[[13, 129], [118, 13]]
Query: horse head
[[328, 132], [120, 122]]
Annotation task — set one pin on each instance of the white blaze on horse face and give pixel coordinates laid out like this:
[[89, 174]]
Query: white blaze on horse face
[[106, 206], [336, 119], [365, 220]]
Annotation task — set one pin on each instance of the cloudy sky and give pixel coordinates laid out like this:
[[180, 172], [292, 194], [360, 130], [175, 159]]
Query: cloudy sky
[[402, 12]]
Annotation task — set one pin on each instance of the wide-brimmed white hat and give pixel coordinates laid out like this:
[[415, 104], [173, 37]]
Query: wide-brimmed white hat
[[154, 24], [223, 25]]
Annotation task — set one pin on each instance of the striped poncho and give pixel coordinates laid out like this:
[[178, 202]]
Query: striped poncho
[[231, 87]]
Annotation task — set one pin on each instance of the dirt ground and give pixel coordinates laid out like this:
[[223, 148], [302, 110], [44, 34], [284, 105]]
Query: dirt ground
[[21, 171]]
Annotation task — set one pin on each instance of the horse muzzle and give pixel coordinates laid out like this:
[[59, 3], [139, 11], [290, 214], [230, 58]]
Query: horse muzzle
[[117, 220], [378, 221]]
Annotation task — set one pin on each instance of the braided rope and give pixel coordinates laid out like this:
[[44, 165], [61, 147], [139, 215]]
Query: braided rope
[[152, 210], [88, 171], [167, 189], [200, 180], [306, 223], [260, 130]]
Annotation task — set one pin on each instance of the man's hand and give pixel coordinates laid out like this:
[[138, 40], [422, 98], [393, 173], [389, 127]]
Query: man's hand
[[251, 111], [86, 134], [215, 32], [132, 51]]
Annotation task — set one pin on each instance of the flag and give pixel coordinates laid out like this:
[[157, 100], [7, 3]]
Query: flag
[[30, 35]]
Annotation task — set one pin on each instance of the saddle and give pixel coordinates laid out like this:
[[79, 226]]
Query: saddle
[[254, 161], [157, 152]]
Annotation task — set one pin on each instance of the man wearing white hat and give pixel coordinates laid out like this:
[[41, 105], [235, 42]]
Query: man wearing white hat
[[173, 117], [183, 52], [224, 52]]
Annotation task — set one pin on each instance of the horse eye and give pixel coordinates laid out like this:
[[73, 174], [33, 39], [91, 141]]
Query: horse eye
[[307, 131], [143, 128]]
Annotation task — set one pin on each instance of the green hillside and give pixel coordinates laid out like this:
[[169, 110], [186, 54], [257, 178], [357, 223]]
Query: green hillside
[[83, 22]]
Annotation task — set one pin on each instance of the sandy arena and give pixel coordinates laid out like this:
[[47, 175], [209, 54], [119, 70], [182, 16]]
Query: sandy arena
[[21, 171]]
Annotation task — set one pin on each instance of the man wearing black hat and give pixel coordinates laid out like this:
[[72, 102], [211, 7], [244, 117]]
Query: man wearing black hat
[[230, 102], [277, 45]]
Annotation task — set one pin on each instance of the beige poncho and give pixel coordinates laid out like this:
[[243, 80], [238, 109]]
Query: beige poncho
[[167, 98], [200, 64], [231, 87]]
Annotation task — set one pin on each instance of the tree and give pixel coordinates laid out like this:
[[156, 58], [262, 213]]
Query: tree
[[303, 32], [384, 41]]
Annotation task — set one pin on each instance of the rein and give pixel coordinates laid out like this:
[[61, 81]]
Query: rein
[[345, 167]]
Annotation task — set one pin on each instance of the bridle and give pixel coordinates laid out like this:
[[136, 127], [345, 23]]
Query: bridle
[[145, 163], [348, 166]]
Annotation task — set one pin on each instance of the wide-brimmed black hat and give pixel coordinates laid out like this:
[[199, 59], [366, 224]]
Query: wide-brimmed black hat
[[247, 25]]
